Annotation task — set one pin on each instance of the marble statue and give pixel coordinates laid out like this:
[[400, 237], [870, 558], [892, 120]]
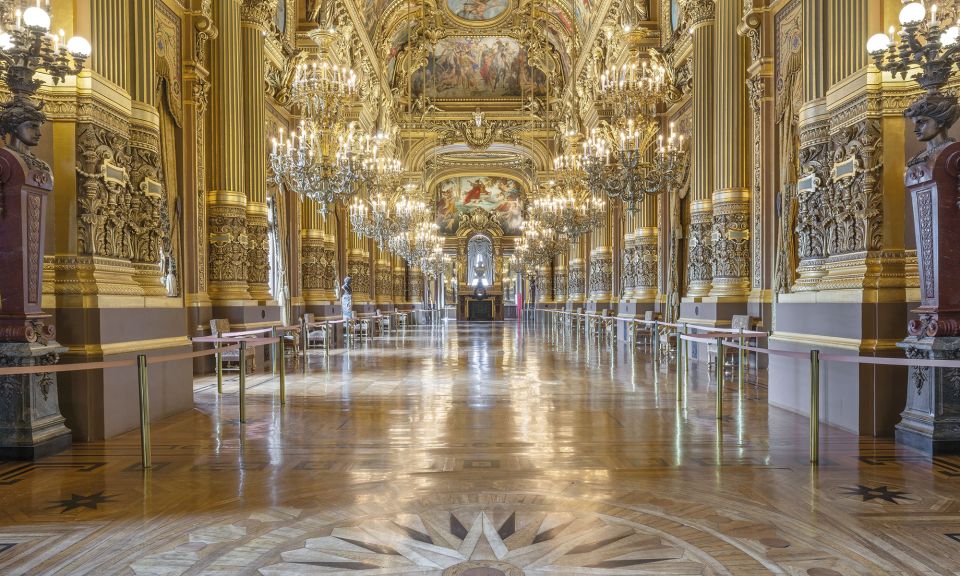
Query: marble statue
[[346, 298]]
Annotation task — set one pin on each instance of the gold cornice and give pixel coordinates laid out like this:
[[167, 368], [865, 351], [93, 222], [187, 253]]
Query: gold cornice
[[226, 198]]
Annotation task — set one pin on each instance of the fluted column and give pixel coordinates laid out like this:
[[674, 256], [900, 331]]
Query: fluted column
[[731, 198], [646, 240], [700, 14], [226, 200], [255, 16], [601, 261]]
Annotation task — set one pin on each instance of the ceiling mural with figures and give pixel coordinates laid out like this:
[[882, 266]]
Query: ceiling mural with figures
[[498, 196]]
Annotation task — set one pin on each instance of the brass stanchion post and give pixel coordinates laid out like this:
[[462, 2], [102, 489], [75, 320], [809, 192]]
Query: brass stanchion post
[[145, 458], [740, 356], [814, 406], [655, 343], [720, 354], [283, 370], [243, 381], [273, 351], [219, 359], [677, 365]]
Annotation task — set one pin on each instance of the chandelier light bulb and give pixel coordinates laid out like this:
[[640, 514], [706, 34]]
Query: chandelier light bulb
[[949, 36], [912, 13], [878, 43], [36, 17], [6, 43], [78, 46]]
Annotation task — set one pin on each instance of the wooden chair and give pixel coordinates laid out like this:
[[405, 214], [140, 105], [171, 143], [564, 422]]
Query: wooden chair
[[221, 326], [737, 322], [317, 335], [645, 330], [383, 322]]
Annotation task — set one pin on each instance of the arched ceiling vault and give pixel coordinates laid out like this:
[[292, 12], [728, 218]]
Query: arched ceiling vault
[[479, 86]]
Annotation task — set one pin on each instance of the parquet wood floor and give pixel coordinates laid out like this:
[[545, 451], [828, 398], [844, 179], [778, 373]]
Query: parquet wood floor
[[481, 449]]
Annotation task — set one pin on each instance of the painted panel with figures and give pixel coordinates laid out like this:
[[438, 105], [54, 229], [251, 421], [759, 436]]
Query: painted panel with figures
[[497, 195], [464, 67]]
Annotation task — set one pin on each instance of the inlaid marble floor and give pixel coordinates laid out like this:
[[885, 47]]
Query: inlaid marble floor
[[481, 449]]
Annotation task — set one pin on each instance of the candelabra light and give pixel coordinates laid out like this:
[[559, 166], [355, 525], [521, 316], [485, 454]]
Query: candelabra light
[[320, 89], [26, 48], [928, 44]]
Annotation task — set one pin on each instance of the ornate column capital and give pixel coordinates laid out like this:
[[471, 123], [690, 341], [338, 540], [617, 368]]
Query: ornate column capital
[[257, 13], [699, 12]]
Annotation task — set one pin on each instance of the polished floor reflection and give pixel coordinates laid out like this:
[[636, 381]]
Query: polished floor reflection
[[482, 449]]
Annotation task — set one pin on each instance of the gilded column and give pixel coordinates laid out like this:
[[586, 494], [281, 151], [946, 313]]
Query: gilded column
[[814, 143], [560, 278], [731, 198], [226, 200], [628, 279], [383, 277], [196, 91], [150, 213], [255, 16], [400, 295], [415, 285], [646, 240], [700, 15], [601, 261], [358, 266], [315, 266], [576, 281], [545, 283]]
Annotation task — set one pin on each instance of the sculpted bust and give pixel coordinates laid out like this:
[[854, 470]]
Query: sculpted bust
[[932, 116], [20, 122]]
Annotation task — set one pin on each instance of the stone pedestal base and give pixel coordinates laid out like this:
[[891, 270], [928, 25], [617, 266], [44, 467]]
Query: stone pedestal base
[[931, 420], [31, 425]]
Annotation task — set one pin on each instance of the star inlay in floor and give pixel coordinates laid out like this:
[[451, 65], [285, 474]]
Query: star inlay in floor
[[481, 450]]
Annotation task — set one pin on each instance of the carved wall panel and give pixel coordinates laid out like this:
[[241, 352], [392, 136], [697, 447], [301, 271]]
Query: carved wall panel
[[228, 243], [575, 281], [601, 274], [358, 267], [646, 264], [258, 250], [730, 256], [628, 279], [700, 249], [313, 263], [855, 199], [559, 283]]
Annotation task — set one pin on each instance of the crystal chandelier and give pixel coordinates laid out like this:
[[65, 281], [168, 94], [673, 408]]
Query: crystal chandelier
[[636, 88], [385, 215], [539, 243], [417, 243], [320, 90], [26, 48], [570, 211], [435, 262], [644, 169], [306, 162]]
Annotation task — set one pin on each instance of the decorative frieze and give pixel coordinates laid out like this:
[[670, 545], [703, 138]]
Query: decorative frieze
[[258, 255], [855, 199], [700, 252], [228, 244], [601, 274], [575, 281], [730, 256]]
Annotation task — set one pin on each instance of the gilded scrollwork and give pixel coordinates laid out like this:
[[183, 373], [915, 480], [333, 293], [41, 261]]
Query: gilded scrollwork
[[628, 279], [646, 265], [730, 255], [575, 281], [227, 243], [258, 250], [601, 274], [104, 192], [855, 198], [700, 249]]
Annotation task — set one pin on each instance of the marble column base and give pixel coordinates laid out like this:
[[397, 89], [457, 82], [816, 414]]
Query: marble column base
[[931, 419], [31, 425]]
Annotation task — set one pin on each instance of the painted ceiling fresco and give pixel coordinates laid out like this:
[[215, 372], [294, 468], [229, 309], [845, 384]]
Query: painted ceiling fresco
[[500, 196], [464, 67]]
